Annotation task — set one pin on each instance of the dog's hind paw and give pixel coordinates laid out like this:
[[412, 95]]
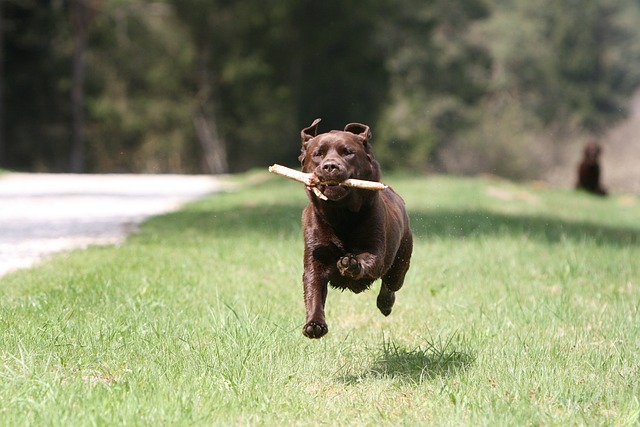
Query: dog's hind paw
[[315, 330], [385, 302]]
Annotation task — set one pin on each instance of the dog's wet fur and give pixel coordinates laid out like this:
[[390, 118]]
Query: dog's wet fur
[[355, 236]]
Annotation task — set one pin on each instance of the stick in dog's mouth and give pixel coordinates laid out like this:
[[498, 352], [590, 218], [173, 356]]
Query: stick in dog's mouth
[[312, 181], [318, 193]]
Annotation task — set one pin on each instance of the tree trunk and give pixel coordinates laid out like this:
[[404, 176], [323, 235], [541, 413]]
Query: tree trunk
[[77, 155], [3, 158], [213, 145], [82, 13]]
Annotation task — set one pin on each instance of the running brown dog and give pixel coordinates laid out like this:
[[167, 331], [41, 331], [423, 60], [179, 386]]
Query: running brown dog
[[355, 236]]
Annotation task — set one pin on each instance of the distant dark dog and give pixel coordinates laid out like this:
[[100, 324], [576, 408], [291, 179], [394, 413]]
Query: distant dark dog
[[355, 236], [589, 170]]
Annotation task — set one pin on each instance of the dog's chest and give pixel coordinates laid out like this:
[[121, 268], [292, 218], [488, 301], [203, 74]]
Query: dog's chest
[[356, 286]]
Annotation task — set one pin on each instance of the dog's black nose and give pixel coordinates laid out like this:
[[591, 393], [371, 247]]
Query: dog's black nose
[[330, 167]]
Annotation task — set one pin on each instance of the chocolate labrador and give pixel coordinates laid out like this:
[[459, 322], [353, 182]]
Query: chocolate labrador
[[352, 237], [589, 170]]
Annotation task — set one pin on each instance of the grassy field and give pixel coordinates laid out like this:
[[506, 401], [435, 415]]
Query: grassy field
[[522, 307]]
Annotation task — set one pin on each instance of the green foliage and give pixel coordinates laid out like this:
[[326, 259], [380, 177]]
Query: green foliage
[[575, 70], [521, 308], [36, 84], [338, 66], [241, 50], [502, 142], [436, 80], [141, 123], [437, 75], [556, 75]]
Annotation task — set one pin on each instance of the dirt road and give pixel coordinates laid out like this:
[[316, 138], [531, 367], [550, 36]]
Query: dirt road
[[41, 214]]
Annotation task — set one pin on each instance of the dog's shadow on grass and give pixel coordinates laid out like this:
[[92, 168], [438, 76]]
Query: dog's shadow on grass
[[433, 359]]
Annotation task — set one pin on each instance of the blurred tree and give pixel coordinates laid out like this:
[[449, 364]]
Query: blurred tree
[[337, 67], [138, 104], [2, 79], [591, 40], [242, 105], [438, 75], [210, 24], [36, 82], [267, 68], [559, 70], [216, 85], [567, 62], [81, 14]]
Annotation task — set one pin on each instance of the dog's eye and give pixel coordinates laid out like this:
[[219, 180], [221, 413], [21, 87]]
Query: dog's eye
[[317, 154], [348, 152]]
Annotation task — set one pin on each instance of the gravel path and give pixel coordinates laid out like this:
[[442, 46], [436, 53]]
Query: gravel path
[[41, 214]]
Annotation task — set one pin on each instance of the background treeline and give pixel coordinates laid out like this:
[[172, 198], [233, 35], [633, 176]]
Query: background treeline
[[213, 86]]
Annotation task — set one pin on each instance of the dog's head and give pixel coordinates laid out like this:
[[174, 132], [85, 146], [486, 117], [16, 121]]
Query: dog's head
[[592, 152], [338, 155]]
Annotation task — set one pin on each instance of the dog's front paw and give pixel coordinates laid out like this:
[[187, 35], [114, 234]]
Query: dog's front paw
[[349, 266], [315, 329]]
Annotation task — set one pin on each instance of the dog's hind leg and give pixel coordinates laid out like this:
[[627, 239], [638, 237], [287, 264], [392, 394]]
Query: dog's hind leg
[[394, 278]]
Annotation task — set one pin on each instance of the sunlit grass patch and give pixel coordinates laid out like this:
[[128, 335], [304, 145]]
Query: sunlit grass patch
[[521, 307]]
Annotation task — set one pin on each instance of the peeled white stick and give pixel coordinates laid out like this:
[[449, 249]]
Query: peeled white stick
[[308, 179], [311, 180]]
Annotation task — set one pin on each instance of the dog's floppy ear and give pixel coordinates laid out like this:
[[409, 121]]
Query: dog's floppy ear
[[307, 135], [310, 132], [360, 130], [363, 132]]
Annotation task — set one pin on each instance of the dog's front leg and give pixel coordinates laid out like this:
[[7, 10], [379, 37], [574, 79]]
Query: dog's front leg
[[361, 266], [315, 295]]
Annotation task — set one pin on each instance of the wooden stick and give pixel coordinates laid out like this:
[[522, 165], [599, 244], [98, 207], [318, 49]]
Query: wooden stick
[[308, 179], [311, 180], [364, 185]]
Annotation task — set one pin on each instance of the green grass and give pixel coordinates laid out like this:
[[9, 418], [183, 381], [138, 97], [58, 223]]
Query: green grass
[[521, 308]]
